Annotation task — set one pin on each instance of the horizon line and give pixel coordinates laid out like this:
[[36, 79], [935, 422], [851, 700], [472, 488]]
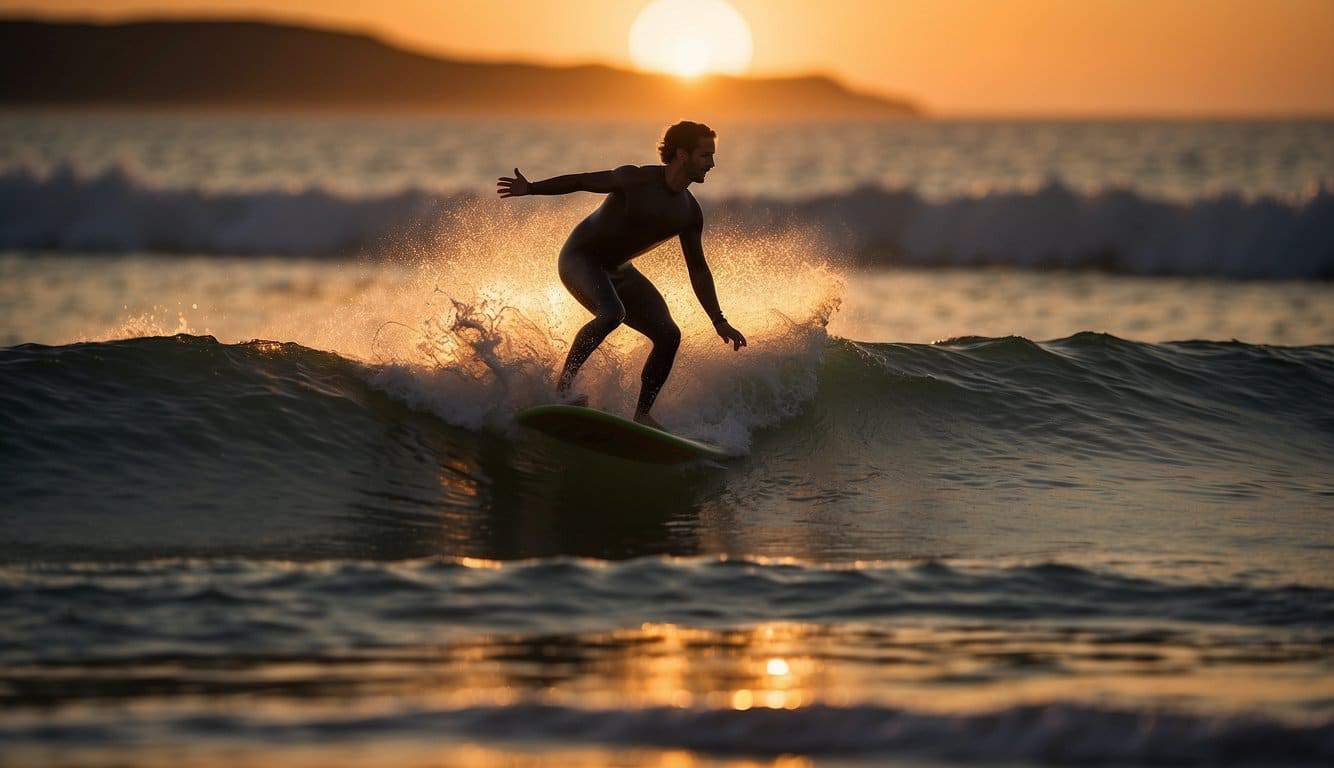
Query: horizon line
[[925, 110]]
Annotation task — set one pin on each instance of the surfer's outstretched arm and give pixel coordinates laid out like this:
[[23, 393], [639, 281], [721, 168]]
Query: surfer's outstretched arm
[[602, 182], [701, 279]]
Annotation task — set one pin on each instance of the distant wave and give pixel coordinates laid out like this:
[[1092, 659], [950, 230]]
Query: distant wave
[[1115, 230], [117, 212]]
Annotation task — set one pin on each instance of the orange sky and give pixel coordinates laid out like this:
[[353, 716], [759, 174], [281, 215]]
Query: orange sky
[[1064, 57]]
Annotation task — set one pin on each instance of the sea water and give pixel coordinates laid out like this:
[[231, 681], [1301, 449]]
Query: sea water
[[265, 504]]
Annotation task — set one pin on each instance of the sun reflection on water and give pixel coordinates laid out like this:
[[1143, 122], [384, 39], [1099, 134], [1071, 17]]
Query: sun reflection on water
[[790, 666], [926, 667], [669, 665]]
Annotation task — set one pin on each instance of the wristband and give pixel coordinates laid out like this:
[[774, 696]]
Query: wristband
[[719, 321]]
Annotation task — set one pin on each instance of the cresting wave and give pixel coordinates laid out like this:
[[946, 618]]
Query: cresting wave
[[1116, 230], [358, 456], [1088, 387]]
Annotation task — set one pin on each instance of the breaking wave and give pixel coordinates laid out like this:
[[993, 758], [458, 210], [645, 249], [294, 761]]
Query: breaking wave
[[1116, 230]]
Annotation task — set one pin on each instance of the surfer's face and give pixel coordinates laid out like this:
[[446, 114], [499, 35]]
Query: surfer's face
[[700, 160]]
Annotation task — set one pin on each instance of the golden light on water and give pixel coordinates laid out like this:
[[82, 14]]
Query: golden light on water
[[791, 666], [689, 38], [932, 669], [480, 563]]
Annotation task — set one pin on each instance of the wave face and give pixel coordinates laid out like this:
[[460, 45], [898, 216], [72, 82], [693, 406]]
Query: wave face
[[1117, 230], [143, 441]]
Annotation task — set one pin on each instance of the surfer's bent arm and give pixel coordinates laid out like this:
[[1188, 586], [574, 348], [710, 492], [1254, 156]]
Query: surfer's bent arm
[[701, 279]]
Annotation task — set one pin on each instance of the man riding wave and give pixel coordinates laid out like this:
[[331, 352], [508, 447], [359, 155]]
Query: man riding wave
[[645, 205]]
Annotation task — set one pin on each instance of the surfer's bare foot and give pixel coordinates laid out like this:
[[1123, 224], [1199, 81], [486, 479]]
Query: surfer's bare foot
[[649, 421], [579, 399]]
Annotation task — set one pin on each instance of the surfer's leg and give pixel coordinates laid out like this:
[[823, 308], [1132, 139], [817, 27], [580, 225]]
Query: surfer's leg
[[591, 286], [646, 312]]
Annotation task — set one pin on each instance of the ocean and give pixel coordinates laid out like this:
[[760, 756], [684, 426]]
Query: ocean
[[1033, 449]]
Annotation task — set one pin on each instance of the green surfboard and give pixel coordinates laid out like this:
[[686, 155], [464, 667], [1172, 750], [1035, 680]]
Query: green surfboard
[[615, 436]]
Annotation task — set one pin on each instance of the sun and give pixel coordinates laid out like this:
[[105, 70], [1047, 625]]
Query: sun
[[690, 38]]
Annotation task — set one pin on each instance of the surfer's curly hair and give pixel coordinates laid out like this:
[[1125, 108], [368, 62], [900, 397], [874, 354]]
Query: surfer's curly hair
[[684, 135]]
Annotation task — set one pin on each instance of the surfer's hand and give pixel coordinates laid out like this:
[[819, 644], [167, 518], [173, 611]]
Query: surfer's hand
[[512, 187], [731, 334]]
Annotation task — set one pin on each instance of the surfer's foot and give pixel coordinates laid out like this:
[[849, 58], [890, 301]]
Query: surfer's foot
[[649, 421], [579, 399]]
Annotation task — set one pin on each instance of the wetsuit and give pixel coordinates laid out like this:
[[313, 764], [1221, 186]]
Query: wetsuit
[[639, 212]]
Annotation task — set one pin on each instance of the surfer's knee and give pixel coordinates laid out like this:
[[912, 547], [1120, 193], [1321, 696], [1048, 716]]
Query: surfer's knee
[[610, 317], [667, 336]]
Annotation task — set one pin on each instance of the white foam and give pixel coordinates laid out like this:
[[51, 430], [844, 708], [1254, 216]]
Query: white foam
[[476, 326], [1052, 226], [118, 212]]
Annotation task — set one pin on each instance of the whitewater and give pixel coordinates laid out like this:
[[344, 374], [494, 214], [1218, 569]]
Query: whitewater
[[1033, 447], [1235, 199]]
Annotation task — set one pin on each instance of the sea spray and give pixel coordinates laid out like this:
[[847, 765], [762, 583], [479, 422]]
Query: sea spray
[[479, 326]]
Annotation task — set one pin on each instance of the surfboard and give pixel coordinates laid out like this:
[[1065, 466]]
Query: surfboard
[[602, 432]]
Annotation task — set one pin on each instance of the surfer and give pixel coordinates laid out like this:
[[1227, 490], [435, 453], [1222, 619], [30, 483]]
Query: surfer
[[645, 205]]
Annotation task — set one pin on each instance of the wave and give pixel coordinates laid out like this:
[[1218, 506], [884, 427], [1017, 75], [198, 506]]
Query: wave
[[1055, 734], [1116, 230], [362, 456], [116, 212], [1096, 394], [110, 612], [202, 633], [1091, 387]]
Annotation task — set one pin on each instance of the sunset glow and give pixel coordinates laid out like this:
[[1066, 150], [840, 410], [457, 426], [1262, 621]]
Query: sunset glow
[[998, 57], [689, 38]]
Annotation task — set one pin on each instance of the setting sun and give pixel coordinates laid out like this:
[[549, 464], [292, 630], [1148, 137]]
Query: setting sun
[[689, 38]]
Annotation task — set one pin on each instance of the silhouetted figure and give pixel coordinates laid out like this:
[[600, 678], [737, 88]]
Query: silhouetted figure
[[645, 205]]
